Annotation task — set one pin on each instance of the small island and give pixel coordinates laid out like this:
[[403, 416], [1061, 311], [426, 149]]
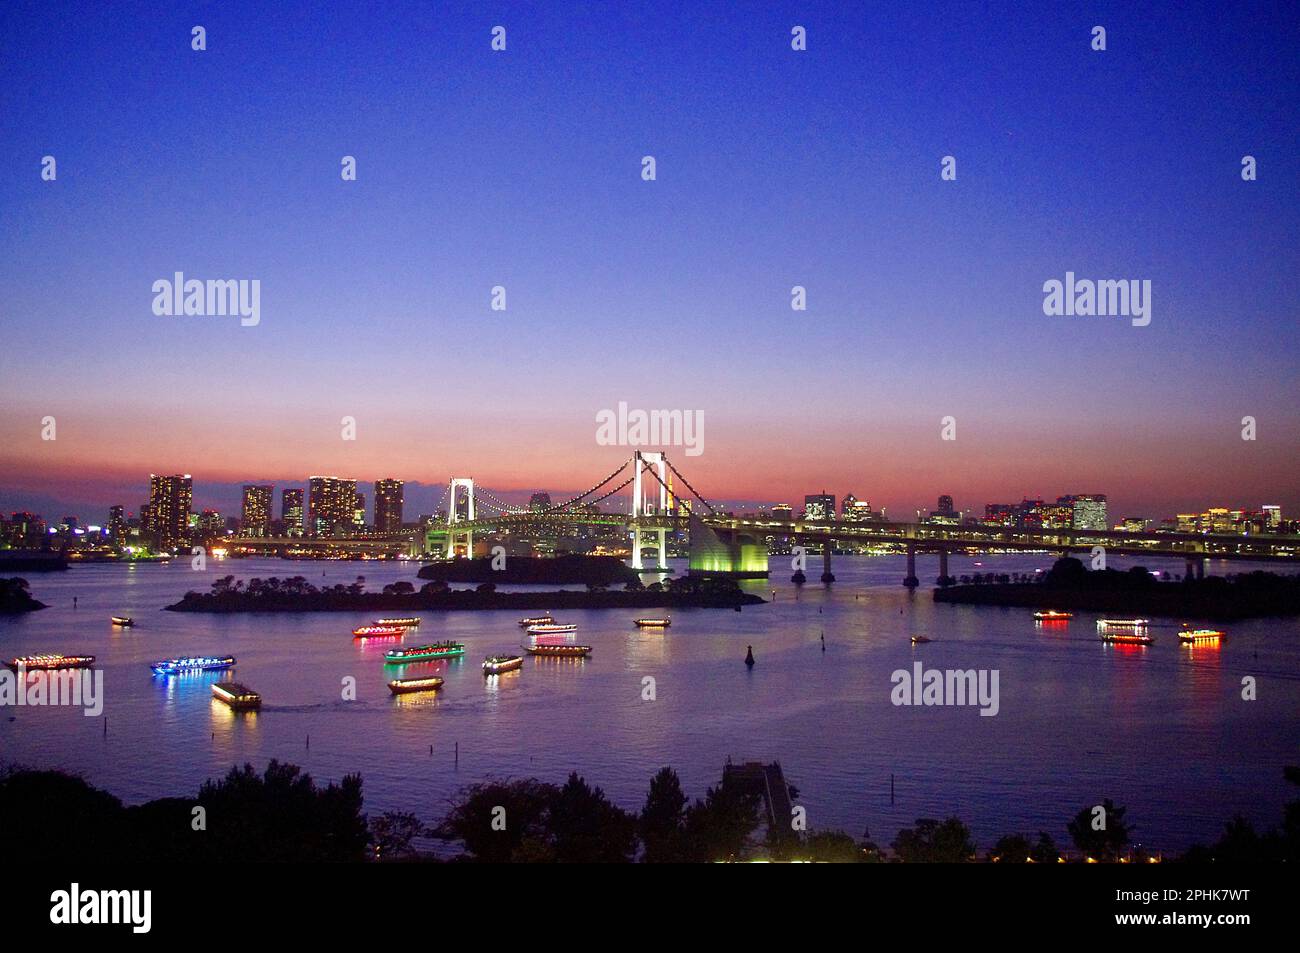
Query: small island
[[15, 599], [1068, 585], [532, 570], [295, 594]]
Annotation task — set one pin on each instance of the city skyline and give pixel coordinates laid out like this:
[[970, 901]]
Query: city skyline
[[924, 296]]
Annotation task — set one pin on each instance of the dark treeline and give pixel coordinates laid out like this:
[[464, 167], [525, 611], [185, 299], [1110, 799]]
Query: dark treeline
[[282, 815], [296, 594], [1069, 585], [15, 597]]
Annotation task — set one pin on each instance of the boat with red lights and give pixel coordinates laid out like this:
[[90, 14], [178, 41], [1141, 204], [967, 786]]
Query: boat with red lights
[[558, 650], [406, 686], [1199, 635], [1123, 623], [48, 662], [536, 620], [1052, 615], [497, 664], [1130, 637], [425, 653], [653, 623], [405, 622], [378, 632]]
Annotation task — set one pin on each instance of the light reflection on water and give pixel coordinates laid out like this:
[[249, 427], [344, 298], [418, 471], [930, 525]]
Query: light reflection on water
[[1161, 729]]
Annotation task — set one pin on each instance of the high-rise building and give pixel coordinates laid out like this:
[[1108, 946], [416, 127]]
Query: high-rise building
[[945, 506], [388, 506], [819, 506], [332, 503], [257, 509], [170, 498], [1134, 524], [358, 510], [117, 524], [291, 512], [211, 523], [539, 501], [783, 512], [1272, 516], [857, 510], [1089, 510]]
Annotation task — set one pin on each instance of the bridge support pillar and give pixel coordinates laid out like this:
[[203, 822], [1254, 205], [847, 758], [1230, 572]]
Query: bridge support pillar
[[663, 548], [910, 579], [637, 564], [828, 577], [944, 579]]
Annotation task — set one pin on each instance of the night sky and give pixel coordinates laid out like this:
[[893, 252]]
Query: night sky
[[775, 168]]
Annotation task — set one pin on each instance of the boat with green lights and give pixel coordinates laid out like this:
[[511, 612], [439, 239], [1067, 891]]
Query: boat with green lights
[[425, 653]]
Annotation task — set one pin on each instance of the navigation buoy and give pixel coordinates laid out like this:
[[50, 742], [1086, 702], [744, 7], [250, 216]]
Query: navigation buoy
[[749, 657]]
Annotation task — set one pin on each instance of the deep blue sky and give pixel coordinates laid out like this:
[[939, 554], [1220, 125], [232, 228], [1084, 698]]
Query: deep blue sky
[[775, 168]]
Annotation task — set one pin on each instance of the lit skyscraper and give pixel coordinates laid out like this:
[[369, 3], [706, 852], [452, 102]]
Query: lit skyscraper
[[116, 524], [1089, 510], [291, 512], [819, 506], [257, 509], [388, 506], [332, 502], [170, 498]]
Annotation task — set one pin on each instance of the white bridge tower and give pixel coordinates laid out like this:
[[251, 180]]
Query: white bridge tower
[[467, 484], [643, 505]]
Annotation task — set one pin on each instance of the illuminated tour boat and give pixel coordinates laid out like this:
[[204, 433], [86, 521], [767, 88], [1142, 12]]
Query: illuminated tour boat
[[237, 696], [405, 622], [1127, 637], [192, 663], [497, 664], [552, 628], [1123, 623], [406, 686], [536, 620], [920, 639], [653, 623], [51, 661], [1199, 635], [559, 650], [425, 653], [378, 632], [1052, 615], [124, 621]]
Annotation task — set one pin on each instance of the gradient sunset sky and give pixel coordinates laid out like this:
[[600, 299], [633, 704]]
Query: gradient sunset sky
[[775, 168]]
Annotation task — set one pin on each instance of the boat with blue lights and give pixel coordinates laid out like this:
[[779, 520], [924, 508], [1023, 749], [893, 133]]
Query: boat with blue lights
[[192, 663]]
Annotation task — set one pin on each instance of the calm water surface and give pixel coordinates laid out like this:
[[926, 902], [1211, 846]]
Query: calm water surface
[[1162, 730]]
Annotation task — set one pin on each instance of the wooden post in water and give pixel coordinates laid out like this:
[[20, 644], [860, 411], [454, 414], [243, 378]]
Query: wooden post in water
[[891, 788], [458, 754]]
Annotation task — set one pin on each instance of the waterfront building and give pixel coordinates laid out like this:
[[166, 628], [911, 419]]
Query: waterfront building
[[819, 506], [256, 511], [170, 499], [331, 505], [291, 512], [388, 505]]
